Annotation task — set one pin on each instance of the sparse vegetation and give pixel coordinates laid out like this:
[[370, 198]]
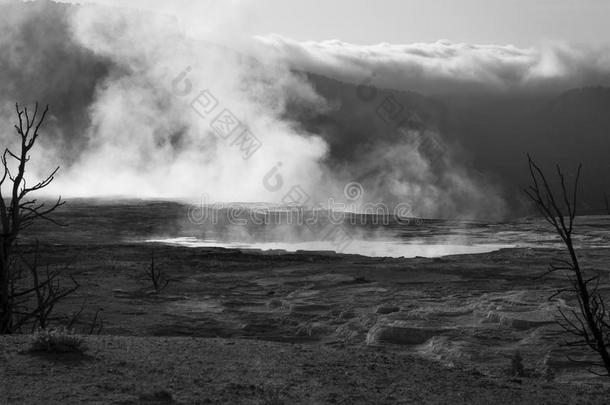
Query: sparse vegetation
[[94, 326], [156, 276], [57, 340], [590, 323], [157, 397], [516, 365], [40, 291], [272, 396]]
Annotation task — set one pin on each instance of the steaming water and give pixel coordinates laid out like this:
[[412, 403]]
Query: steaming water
[[99, 222], [376, 248], [428, 238]]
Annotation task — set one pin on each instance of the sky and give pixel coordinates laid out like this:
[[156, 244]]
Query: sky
[[517, 22], [522, 23]]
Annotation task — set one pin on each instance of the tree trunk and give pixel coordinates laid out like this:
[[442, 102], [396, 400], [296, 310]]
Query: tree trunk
[[6, 316]]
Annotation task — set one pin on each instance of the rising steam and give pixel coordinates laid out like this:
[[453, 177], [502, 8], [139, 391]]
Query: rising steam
[[122, 85]]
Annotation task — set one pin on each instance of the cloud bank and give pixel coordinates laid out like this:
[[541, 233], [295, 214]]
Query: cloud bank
[[444, 67]]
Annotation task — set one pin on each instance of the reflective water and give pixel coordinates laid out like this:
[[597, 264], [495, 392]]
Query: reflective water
[[374, 248], [425, 238]]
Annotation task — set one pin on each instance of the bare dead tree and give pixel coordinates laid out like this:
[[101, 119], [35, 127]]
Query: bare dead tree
[[94, 326], [19, 211], [156, 276], [97, 323], [43, 285], [590, 324]]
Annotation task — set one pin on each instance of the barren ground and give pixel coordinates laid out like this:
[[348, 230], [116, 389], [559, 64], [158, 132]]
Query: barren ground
[[252, 327], [130, 370], [238, 326]]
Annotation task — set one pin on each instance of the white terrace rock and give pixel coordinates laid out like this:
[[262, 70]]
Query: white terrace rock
[[400, 333]]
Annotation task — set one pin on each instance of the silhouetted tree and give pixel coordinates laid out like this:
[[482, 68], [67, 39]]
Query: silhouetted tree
[[590, 324], [21, 281], [156, 276]]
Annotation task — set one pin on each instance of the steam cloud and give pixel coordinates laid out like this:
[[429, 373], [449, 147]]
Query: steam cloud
[[445, 67], [121, 83]]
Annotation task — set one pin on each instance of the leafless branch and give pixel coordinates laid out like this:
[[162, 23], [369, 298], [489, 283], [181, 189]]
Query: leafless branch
[[156, 275], [590, 324], [18, 211]]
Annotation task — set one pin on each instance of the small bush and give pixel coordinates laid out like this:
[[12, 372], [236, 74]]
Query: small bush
[[272, 397], [516, 365], [57, 340], [157, 397]]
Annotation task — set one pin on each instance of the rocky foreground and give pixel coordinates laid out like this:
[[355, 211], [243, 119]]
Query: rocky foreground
[[237, 326], [156, 370]]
